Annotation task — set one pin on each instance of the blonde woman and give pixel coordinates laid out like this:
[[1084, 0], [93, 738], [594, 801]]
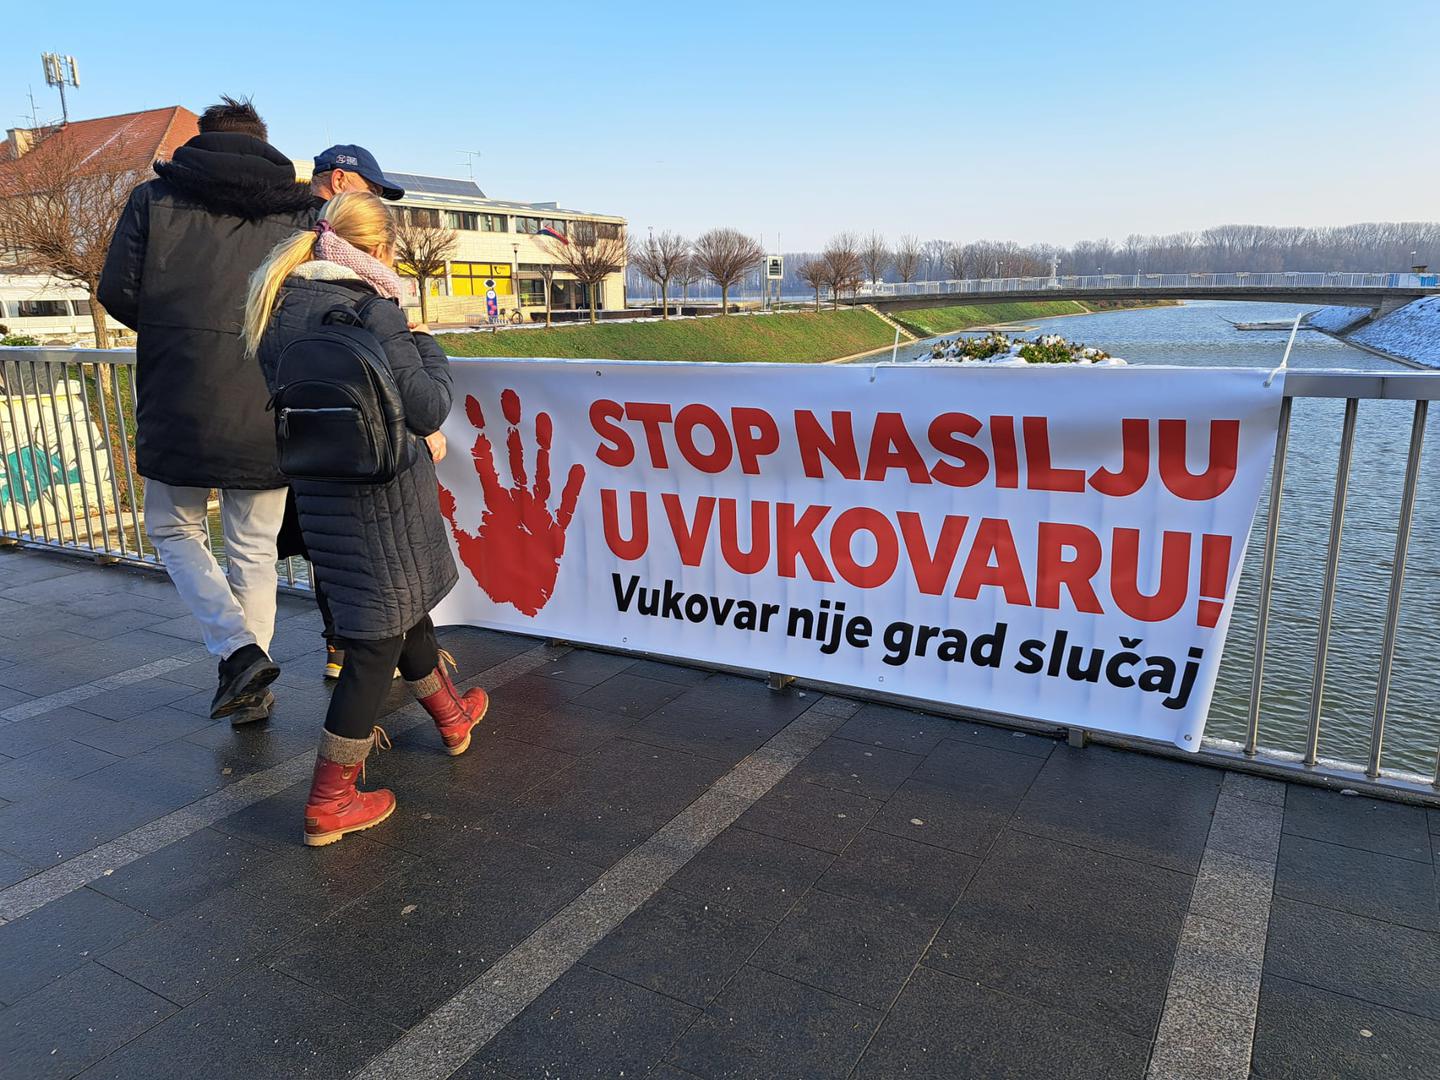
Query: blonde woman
[[379, 551]]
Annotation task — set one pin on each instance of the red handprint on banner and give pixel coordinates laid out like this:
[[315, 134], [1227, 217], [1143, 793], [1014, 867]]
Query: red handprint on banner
[[515, 553]]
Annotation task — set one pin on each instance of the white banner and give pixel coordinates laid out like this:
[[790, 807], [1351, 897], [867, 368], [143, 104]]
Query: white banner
[[1060, 543]]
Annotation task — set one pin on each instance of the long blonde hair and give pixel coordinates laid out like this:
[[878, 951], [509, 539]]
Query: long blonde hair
[[356, 216]]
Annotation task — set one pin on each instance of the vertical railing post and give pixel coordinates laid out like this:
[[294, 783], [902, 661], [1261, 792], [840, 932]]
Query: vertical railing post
[[1332, 568], [1267, 576], [1397, 586]]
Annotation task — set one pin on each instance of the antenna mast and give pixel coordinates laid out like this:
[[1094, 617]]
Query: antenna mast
[[61, 71]]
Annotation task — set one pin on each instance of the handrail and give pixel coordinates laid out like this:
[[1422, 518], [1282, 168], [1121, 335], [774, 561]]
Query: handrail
[[73, 404], [1289, 279]]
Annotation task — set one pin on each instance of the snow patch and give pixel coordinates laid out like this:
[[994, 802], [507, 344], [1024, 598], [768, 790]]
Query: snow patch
[[1412, 332], [1335, 319]]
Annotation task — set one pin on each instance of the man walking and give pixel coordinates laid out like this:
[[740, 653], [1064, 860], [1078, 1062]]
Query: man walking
[[176, 273]]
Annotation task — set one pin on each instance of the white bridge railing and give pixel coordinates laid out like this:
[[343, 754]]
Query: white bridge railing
[[1102, 282]]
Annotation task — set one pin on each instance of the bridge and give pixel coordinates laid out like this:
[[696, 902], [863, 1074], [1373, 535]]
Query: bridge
[[1382, 292]]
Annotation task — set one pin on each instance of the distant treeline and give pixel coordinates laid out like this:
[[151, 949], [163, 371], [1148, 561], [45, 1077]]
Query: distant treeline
[[1368, 247]]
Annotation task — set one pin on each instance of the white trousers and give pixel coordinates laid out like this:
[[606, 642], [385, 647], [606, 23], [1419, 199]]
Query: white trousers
[[234, 608]]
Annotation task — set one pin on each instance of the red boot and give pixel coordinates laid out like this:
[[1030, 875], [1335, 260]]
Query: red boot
[[335, 806], [455, 715]]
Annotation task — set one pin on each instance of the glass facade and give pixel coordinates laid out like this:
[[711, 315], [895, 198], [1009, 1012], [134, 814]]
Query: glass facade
[[470, 278]]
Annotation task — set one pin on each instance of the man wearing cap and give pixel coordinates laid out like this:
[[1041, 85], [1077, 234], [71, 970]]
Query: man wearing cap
[[176, 272], [350, 168]]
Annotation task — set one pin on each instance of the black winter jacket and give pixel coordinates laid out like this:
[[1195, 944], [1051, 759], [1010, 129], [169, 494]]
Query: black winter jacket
[[176, 273], [380, 551]]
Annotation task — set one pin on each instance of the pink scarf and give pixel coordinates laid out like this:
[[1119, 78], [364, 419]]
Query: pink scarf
[[333, 248]]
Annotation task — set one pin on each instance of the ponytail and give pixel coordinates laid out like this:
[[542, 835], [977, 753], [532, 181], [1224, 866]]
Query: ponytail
[[265, 284]]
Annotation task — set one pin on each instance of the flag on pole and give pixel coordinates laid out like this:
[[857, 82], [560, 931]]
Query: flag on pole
[[548, 231]]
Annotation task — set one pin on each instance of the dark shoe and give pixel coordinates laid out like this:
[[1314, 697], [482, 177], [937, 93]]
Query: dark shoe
[[255, 713], [334, 661], [244, 675]]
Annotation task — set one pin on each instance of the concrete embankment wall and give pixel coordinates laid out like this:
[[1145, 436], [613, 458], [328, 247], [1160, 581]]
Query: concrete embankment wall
[[1410, 334]]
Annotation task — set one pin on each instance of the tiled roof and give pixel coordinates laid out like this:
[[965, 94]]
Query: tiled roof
[[129, 141]]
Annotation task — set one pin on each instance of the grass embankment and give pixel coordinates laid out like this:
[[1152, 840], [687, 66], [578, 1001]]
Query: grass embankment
[[799, 338], [927, 322]]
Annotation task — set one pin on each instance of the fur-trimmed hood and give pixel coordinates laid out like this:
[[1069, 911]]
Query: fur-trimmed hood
[[237, 175]]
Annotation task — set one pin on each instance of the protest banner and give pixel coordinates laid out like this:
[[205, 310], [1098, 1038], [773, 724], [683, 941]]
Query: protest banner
[[1060, 543]]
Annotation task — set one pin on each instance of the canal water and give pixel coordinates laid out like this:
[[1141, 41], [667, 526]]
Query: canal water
[[1198, 335]]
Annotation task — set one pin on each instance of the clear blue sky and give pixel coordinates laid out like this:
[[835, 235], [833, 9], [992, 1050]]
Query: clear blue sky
[[1031, 120]]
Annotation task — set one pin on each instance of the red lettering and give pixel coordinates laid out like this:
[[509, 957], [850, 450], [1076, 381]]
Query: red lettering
[[1054, 570], [887, 548], [931, 571], [1040, 474], [815, 443], [1169, 595], [1219, 468], [686, 421], [796, 540], [1007, 459], [756, 435], [651, 416], [945, 432], [892, 448], [603, 417], [993, 560], [1134, 464], [754, 560], [690, 536], [639, 539]]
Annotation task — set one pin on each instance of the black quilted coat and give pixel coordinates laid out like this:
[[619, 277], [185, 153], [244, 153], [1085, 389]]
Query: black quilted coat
[[176, 273], [380, 551]]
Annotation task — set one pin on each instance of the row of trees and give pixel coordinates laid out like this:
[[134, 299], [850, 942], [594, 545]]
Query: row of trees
[[725, 256]]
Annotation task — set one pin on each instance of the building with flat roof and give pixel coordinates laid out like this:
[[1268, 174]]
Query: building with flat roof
[[498, 245]]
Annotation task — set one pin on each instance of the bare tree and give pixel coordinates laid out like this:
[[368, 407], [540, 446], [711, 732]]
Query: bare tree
[[875, 256], [659, 259], [812, 271], [726, 256], [954, 260], [591, 253], [421, 252], [843, 265], [687, 273], [58, 207], [907, 257]]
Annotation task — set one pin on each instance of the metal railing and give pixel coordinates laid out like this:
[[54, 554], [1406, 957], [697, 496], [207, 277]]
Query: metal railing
[[1102, 282], [66, 441], [67, 458]]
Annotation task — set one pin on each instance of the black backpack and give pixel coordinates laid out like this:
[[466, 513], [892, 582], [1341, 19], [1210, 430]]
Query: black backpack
[[339, 416]]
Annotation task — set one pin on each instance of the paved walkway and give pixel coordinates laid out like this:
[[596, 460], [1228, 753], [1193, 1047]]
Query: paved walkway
[[647, 870]]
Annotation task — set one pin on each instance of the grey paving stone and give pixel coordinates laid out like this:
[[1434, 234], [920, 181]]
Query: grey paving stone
[[667, 672], [1234, 889], [1433, 816], [531, 695], [896, 874], [195, 952], [724, 697], [680, 946], [818, 817], [1246, 828], [478, 650], [1356, 821], [1219, 965], [13, 869], [1381, 962], [1384, 887], [871, 771], [572, 729], [765, 1025], [1123, 803], [74, 1022], [849, 948], [629, 695], [23, 737], [586, 667], [26, 777], [752, 872], [155, 727], [136, 699], [1304, 1032], [1069, 927], [895, 728], [69, 819], [60, 937], [726, 739], [259, 1024], [502, 768], [1254, 788], [944, 1028], [1200, 1042], [589, 1023], [320, 881], [414, 940], [183, 873]]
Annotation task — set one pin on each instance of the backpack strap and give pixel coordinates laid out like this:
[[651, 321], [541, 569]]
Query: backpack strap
[[350, 316]]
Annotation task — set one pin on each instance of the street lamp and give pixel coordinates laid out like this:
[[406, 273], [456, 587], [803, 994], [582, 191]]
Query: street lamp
[[515, 275]]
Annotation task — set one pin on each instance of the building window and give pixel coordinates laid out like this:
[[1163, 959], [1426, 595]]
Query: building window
[[462, 219], [532, 225], [424, 216], [532, 293], [41, 309], [493, 223], [472, 279]]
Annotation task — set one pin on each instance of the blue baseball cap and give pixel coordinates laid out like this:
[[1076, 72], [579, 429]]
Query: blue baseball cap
[[358, 160]]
